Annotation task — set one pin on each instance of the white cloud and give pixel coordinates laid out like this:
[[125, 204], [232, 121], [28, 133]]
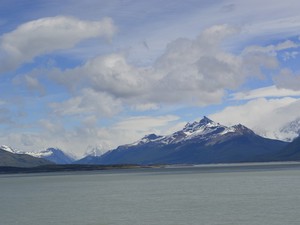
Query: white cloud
[[46, 35], [287, 79], [190, 72], [31, 82], [145, 107], [265, 92], [272, 49], [53, 127], [110, 74], [266, 117], [145, 123], [289, 55], [88, 102], [272, 20], [280, 25]]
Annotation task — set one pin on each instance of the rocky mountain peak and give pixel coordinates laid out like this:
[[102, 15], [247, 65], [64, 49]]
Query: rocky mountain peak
[[239, 128], [205, 122]]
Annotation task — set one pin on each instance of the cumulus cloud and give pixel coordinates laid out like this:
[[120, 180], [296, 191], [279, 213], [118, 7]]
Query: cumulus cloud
[[190, 71], [46, 35], [110, 74]]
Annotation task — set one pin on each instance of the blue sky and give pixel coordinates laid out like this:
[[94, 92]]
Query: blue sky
[[91, 74]]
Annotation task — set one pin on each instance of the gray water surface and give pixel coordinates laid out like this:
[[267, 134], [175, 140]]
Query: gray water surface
[[184, 196]]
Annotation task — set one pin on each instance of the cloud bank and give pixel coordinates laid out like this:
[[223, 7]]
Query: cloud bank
[[190, 71], [266, 117]]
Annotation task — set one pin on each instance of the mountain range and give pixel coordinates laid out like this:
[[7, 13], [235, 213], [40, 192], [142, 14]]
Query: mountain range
[[9, 158], [50, 155], [199, 142]]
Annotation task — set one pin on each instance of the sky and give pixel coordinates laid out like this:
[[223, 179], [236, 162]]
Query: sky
[[84, 75]]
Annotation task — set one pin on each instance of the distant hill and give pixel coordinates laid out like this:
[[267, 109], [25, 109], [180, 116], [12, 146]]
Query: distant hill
[[8, 158], [197, 143]]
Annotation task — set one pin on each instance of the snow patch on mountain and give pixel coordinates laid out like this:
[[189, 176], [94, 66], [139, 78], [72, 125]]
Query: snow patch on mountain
[[146, 139], [10, 149], [41, 154], [7, 148]]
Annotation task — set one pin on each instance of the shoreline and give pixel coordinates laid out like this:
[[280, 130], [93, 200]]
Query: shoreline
[[65, 168], [221, 167]]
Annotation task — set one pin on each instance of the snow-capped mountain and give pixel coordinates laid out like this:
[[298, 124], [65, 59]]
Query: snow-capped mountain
[[54, 155], [285, 132], [93, 151], [13, 158], [204, 130], [290, 131], [199, 142]]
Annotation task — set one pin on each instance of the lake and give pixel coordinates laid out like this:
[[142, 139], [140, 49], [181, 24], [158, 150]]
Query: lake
[[252, 194]]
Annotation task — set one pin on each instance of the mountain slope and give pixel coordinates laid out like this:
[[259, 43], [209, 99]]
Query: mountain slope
[[291, 152], [199, 142], [9, 158]]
